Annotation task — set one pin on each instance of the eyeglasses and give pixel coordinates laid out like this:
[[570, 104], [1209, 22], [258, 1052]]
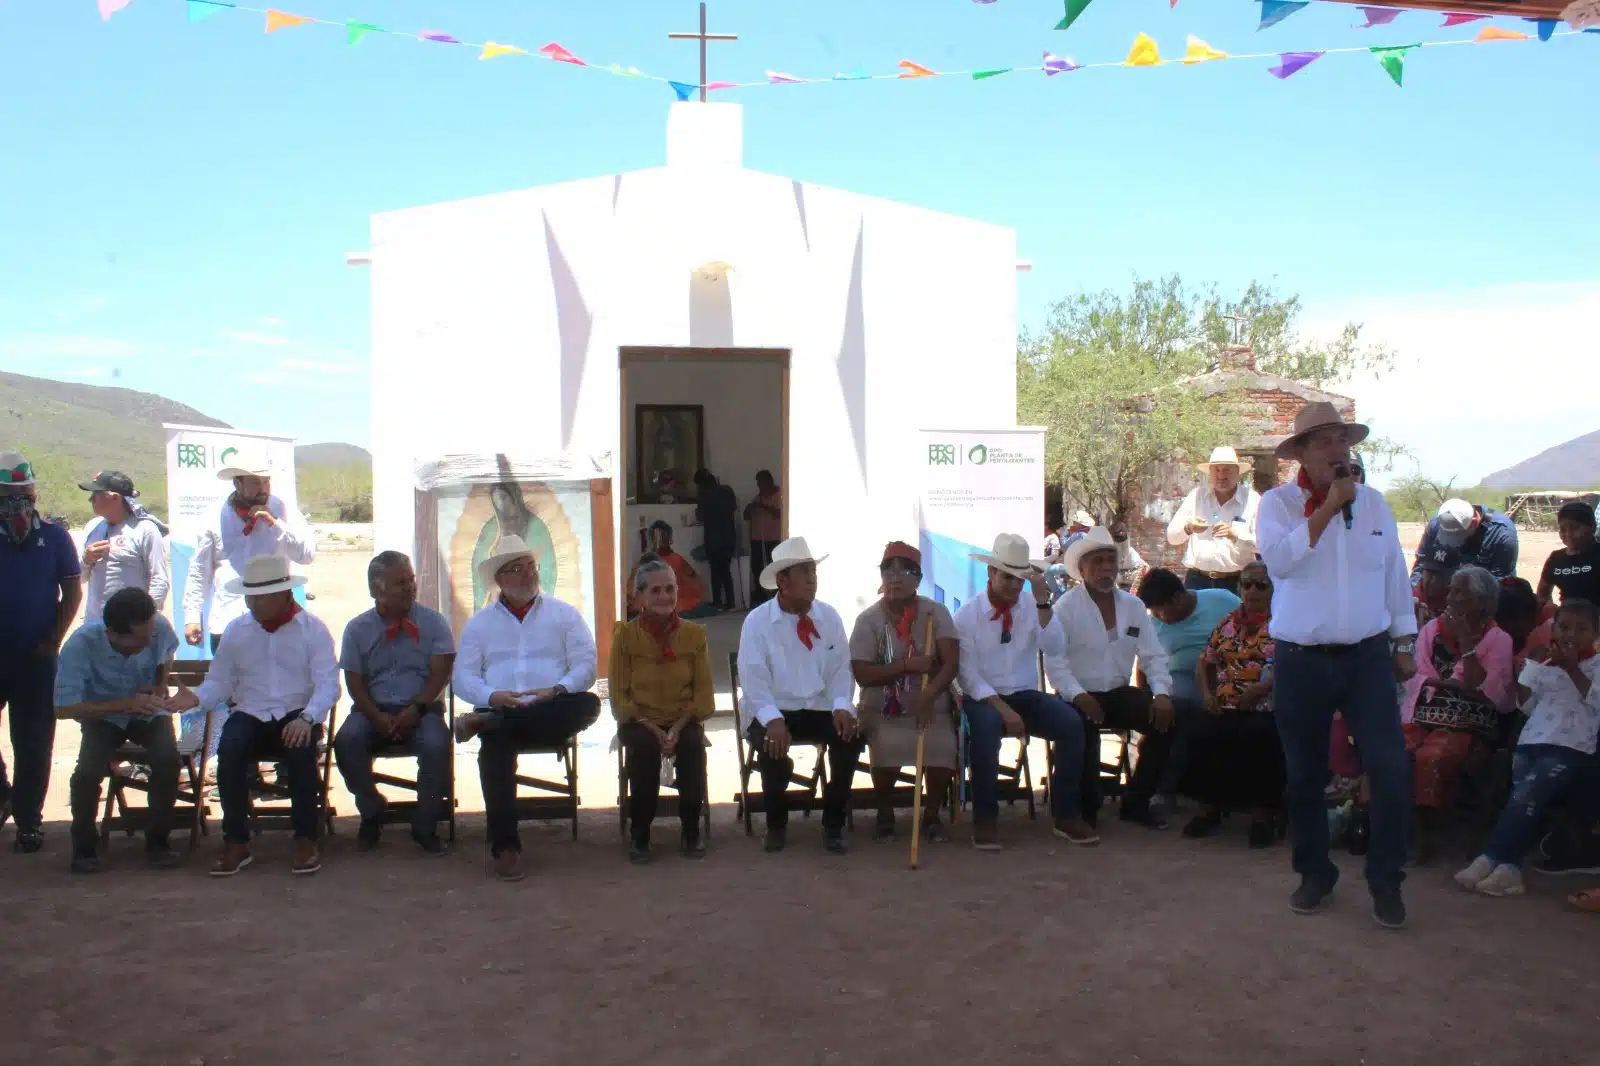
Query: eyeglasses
[[895, 566], [1250, 584]]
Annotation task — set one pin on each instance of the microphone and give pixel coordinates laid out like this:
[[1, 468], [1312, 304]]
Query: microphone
[[1342, 471]]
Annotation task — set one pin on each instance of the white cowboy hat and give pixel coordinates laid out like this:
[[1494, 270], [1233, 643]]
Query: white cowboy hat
[[1084, 519], [504, 551], [1097, 539], [244, 464], [1010, 555], [1223, 456], [791, 552], [263, 575]]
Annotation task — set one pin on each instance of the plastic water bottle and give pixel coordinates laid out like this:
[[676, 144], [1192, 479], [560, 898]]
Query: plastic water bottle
[[668, 775]]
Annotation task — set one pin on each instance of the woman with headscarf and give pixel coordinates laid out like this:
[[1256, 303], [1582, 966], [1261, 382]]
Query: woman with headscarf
[[905, 687]]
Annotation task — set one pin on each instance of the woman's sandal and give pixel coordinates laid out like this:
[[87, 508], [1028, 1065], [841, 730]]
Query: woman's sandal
[[1587, 900]]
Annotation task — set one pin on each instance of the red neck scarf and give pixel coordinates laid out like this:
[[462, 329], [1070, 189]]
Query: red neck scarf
[[805, 628], [1246, 620], [402, 625], [519, 613], [273, 627], [662, 629], [902, 626], [1317, 496], [247, 515], [1002, 614]]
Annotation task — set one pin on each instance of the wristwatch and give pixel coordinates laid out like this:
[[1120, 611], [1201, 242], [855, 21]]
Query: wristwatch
[[1406, 646]]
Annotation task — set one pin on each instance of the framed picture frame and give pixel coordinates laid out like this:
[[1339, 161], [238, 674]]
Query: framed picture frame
[[669, 445]]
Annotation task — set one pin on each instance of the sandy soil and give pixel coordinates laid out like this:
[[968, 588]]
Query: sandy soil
[[1150, 949]]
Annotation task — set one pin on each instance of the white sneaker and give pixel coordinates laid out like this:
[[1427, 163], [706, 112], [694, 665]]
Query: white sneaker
[[1505, 881], [1474, 874]]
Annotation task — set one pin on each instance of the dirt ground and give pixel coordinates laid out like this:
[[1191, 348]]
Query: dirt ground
[[1149, 949]]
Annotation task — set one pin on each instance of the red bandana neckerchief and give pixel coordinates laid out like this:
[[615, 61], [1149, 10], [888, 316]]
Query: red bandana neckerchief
[[273, 627], [1317, 497], [247, 515], [893, 705], [1247, 621], [662, 629], [519, 613], [404, 625], [1002, 614]]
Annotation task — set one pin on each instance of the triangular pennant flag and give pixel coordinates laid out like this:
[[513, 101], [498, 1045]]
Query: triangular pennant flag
[[979, 75], [1392, 58], [631, 72], [354, 31], [1495, 33], [1378, 16], [1275, 11], [1200, 52], [200, 10], [1144, 53], [683, 91], [111, 7], [1547, 27], [491, 49], [713, 86], [1458, 18], [282, 20], [778, 77], [561, 55], [1054, 65], [916, 70], [438, 36], [1290, 63], [1074, 9], [859, 74]]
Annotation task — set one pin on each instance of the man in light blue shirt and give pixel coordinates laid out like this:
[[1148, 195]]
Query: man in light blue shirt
[[112, 677]]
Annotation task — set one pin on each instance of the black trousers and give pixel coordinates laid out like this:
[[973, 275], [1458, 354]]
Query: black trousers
[[1126, 708], [721, 566], [27, 691], [1235, 760], [760, 556], [513, 730], [644, 777], [1194, 579], [807, 727], [100, 741]]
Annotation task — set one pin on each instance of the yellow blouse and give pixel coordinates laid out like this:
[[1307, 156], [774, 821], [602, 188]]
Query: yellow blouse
[[645, 688]]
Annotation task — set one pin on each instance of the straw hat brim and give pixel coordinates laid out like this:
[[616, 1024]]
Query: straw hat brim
[[769, 575], [1355, 433], [490, 567], [1088, 543], [1035, 566], [235, 586], [229, 473]]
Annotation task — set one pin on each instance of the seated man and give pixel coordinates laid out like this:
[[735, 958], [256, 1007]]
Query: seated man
[[276, 668], [396, 660], [112, 677], [999, 674], [1102, 629], [794, 667], [526, 663]]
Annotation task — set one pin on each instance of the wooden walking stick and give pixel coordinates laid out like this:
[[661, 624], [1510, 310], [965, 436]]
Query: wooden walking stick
[[916, 798]]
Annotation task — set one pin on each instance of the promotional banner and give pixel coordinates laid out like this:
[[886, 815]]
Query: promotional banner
[[195, 496], [975, 485]]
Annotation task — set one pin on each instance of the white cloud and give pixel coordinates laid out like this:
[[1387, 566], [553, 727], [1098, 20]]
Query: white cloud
[[271, 340], [69, 346], [319, 366], [270, 321]]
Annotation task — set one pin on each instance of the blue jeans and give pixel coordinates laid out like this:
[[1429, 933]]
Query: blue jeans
[[245, 741], [1540, 773], [1047, 716], [28, 691], [430, 742], [1358, 679]]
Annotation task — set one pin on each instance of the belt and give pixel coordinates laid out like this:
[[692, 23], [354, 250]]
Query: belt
[[1218, 575], [1331, 649]]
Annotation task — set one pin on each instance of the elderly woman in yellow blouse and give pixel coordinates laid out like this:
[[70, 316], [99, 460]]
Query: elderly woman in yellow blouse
[[661, 692]]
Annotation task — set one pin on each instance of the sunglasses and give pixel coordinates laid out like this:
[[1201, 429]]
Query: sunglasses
[[1255, 584], [897, 567]]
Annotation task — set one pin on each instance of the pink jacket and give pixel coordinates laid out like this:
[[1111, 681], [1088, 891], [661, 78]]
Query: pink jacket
[[1494, 655]]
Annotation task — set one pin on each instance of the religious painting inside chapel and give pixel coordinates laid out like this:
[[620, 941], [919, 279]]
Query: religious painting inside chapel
[[669, 446]]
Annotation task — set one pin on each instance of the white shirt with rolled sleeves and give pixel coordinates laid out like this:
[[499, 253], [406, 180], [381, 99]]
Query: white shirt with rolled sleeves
[[551, 646], [1351, 586], [270, 675], [220, 553], [990, 668], [778, 673], [1098, 659], [1210, 553]]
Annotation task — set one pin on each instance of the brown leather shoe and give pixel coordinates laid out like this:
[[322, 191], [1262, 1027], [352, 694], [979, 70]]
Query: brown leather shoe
[[1076, 831], [508, 865], [986, 836], [235, 857], [307, 857]]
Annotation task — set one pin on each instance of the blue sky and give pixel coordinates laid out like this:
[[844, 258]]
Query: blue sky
[[178, 199]]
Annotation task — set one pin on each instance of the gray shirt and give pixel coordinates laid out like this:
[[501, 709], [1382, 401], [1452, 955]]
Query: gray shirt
[[137, 559], [394, 667]]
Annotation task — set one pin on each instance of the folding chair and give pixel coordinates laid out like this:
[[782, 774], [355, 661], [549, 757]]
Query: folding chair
[[558, 800], [269, 800], [667, 806], [747, 804], [191, 775], [399, 812]]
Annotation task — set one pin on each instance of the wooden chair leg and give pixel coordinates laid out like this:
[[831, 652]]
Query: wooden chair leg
[[572, 780], [1027, 779], [111, 803], [622, 790]]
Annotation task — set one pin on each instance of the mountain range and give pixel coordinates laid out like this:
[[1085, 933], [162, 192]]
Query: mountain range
[[1573, 465]]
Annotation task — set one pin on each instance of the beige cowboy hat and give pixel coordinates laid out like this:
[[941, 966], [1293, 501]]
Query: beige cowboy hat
[[1315, 416], [1223, 456], [263, 575], [1084, 519], [1010, 555], [791, 552], [505, 550], [244, 464], [1097, 539]]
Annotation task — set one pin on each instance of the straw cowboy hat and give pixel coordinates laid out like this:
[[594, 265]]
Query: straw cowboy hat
[[1097, 539], [1223, 456], [244, 464], [1010, 555], [791, 552], [264, 575], [1084, 519], [505, 550], [1315, 416]]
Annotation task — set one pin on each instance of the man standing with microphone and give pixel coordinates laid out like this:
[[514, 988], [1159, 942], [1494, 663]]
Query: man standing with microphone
[[1345, 630]]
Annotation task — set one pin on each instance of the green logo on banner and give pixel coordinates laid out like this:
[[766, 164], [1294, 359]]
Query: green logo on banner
[[191, 457], [941, 455], [978, 455]]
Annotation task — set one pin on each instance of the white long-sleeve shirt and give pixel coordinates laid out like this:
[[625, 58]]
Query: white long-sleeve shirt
[[1099, 660], [137, 559], [1351, 586], [1206, 551], [269, 675], [778, 673], [990, 668], [220, 553], [551, 646]]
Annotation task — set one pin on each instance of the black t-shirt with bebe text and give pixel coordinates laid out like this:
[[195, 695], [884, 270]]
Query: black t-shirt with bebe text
[[1577, 576]]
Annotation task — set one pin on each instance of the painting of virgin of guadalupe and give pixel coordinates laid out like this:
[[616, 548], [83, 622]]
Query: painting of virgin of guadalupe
[[669, 446]]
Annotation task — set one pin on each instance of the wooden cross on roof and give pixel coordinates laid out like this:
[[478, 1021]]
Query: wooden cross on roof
[[704, 38]]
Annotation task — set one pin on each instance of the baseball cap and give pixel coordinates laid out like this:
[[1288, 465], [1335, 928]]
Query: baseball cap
[[1441, 560], [1455, 521], [111, 481]]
